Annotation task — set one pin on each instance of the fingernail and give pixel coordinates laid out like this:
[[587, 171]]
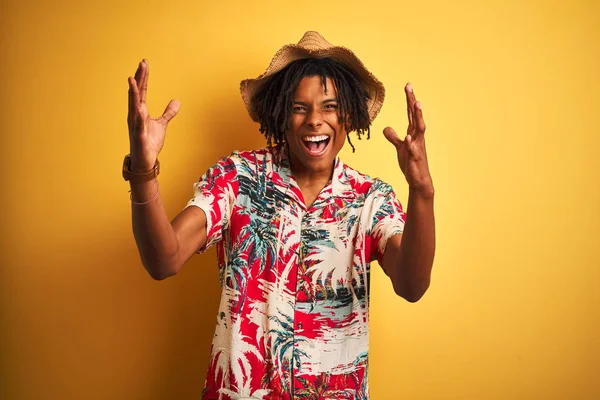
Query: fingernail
[[419, 105], [410, 89]]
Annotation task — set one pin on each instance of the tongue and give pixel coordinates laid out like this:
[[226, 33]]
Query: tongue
[[316, 146]]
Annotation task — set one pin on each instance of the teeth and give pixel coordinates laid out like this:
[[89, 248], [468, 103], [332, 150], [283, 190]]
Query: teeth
[[314, 138]]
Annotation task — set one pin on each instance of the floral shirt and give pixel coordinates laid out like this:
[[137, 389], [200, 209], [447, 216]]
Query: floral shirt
[[293, 321]]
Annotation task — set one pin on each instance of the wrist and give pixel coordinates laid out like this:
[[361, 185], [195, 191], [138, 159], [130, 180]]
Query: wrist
[[425, 190], [141, 160], [140, 172], [140, 167]]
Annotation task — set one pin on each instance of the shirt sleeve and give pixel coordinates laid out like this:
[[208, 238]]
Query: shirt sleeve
[[388, 220], [215, 194]]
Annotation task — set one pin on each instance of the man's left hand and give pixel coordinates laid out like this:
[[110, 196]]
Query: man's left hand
[[412, 155]]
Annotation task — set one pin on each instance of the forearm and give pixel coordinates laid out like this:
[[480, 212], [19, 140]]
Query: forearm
[[155, 237], [411, 271]]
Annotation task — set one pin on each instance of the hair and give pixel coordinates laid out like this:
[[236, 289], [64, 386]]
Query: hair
[[274, 99]]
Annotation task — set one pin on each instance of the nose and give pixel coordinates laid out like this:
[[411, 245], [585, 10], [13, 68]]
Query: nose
[[314, 119]]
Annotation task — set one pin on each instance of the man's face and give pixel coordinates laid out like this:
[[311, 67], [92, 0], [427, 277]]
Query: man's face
[[315, 133]]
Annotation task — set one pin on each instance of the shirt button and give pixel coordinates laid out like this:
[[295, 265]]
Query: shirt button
[[300, 325]]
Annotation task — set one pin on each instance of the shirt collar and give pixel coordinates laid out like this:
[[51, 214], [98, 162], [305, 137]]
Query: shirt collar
[[340, 182], [339, 186]]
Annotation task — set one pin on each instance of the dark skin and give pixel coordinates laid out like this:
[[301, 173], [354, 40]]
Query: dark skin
[[408, 257], [165, 245], [314, 114]]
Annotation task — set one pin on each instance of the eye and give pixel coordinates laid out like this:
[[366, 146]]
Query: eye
[[330, 106], [298, 109]]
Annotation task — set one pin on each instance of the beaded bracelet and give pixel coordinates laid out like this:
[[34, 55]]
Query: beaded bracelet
[[147, 201]]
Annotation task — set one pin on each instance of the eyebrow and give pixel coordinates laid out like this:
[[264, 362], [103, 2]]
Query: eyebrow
[[324, 102]]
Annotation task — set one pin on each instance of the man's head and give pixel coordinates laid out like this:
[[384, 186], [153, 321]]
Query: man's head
[[338, 62], [313, 88], [274, 102]]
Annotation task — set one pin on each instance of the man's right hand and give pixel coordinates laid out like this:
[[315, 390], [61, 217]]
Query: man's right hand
[[146, 134]]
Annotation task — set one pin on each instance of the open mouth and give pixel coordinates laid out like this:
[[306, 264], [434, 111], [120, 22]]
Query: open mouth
[[316, 145]]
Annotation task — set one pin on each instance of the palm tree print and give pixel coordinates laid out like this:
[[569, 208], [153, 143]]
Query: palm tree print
[[283, 341], [321, 388], [294, 311]]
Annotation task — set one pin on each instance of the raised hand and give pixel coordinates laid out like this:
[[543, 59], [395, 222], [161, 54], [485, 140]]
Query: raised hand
[[146, 134], [412, 154]]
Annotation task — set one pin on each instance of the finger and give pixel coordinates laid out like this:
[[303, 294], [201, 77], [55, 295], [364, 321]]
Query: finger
[[412, 148], [129, 104], [411, 95], [171, 111], [419, 121], [391, 135], [408, 90], [133, 103], [138, 74], [413, 102], [144, 81], [133, 87], [413, 111]]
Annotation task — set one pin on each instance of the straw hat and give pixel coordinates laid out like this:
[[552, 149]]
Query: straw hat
[[313, 45]]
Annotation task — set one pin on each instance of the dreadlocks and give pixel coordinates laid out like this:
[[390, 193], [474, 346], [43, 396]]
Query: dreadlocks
[[273, 101]]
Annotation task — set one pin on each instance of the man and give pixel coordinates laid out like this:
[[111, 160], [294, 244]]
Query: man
[[296, 229]]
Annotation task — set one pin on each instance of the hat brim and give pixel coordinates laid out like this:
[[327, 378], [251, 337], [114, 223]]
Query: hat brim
[[292, 52]]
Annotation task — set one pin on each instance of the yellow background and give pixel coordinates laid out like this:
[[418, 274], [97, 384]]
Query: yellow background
[[510, 93]]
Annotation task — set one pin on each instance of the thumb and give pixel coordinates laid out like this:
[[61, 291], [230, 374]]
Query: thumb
[[391, 135], [171, 111]]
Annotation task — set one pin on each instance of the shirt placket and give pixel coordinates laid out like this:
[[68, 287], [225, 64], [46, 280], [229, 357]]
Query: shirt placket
[[298, 328]]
